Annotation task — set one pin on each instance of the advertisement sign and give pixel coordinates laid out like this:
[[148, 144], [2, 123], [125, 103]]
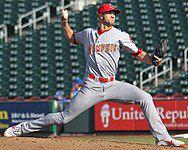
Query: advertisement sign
[[182, 115], [112, 116], [166, 111], [12, 113]]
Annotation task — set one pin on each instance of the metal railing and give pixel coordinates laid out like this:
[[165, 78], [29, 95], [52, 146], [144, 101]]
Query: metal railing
[[31, 18], [81, 3], [4, 32], [76, 4], [166, 68], [185, 58], [65, 7]]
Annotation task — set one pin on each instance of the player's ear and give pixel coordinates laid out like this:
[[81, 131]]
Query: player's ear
[[100, 16]]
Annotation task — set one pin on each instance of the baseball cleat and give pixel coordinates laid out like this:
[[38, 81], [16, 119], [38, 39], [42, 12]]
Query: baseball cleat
[[13, 131], [173, 142]]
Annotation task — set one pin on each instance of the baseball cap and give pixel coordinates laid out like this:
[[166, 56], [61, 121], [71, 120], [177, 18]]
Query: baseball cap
[[58, 93], [78, 81], [107, 8]]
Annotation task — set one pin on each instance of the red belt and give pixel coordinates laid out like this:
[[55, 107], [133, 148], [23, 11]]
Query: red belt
[[101, 79]]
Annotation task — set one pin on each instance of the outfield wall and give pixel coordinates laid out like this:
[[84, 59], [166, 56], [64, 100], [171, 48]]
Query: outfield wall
[[12, 113], [105, 116], [112, 116]]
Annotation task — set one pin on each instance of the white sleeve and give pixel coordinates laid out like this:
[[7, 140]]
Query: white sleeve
[[127, 42], [79, 37]]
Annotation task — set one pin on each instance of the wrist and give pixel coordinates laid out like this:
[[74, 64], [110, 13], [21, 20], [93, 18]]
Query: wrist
[[64, 20]]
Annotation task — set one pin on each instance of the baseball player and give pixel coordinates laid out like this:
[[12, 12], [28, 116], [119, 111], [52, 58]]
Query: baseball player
[[102, 47], [76, 86]]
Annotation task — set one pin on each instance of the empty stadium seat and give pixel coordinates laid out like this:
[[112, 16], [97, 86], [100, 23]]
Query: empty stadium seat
[[43, 61], [2, 6]]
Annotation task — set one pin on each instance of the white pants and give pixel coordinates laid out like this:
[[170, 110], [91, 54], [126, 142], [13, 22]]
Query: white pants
[[94, 92]]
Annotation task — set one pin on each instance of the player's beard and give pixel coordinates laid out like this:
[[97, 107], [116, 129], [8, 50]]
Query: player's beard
[[109, 24]]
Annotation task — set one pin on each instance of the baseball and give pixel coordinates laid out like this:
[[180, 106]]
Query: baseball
[[64, 14]]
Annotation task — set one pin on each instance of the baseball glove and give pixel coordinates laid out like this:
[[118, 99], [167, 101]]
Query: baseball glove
[[159, 52]]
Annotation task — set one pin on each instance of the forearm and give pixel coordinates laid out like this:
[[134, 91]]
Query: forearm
[[144, 57], [69, 33], [147, 59]]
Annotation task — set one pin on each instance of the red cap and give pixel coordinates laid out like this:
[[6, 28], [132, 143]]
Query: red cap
[[107, 8]]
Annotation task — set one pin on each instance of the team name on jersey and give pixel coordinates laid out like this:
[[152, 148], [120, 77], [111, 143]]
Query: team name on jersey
[[102, 48]]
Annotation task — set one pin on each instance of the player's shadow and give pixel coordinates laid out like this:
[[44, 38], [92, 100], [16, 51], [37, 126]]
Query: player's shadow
[[38, 135]]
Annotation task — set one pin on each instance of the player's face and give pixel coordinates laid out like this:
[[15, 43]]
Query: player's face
[[109, 18], [59, 97]]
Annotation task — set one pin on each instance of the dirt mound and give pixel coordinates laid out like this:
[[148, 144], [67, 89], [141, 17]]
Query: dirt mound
[[73, 143]]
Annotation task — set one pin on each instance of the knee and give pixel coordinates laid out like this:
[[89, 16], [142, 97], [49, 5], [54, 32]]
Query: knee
[[55, 118], [149, 96], [65, 121]]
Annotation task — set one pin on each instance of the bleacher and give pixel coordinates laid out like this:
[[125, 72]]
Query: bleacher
[[11, 9], [173, 86], [43, 61]]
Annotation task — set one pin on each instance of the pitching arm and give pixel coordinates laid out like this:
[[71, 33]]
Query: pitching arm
[[69, 33]]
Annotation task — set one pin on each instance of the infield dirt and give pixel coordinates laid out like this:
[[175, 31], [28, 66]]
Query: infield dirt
[[79, 143]]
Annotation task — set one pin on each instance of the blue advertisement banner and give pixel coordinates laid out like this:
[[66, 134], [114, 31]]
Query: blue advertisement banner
[[12, 113]]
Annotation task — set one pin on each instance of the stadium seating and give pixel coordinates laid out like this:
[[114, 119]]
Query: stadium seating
[[43, 61], [16, 57], [10, 12], [11, 9], [172, 86], [5, 72], [24, 6], [184, 83], [2, 5]]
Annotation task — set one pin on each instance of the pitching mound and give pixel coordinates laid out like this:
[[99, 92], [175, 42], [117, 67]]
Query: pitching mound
[[76, 143]]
